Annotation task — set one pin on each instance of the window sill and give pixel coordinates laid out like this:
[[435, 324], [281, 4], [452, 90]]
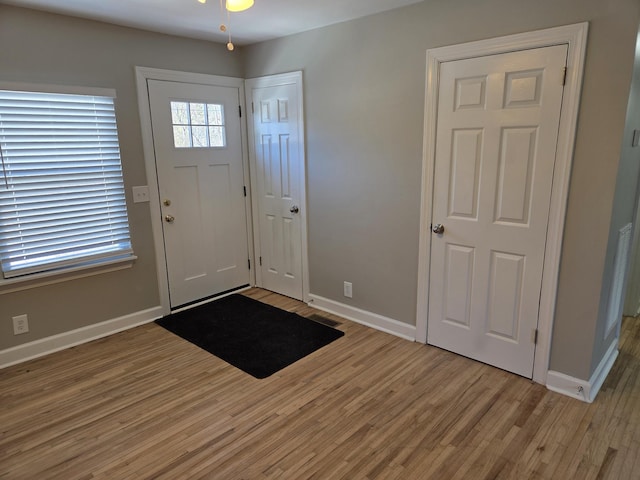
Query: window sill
[[48, 278]]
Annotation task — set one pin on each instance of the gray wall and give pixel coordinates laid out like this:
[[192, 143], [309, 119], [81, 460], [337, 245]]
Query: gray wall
[[364, 93], [623, 211], [53, 49], [364, 99], [587, 264]]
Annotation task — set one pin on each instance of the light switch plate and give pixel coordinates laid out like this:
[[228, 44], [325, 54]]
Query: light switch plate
[[141, 194]]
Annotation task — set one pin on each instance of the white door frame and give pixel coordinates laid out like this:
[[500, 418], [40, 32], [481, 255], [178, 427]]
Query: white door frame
[[292, 78], [575, 36], [142, 75]]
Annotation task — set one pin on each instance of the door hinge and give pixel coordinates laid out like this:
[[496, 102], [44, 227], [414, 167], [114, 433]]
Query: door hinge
[[252, 108], [249, 263], [535, 336], [244, 188], [564, 76], [260, 261], [240, 110]]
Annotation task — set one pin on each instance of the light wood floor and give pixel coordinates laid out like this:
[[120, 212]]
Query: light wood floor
[[146, 404]]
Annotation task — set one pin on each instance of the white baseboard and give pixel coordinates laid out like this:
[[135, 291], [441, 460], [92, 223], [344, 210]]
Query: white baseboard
[[582, 389], [45, 346], [370, 319]]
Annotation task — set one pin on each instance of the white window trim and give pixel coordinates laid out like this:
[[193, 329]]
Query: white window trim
[[36, 280], [50, 88]]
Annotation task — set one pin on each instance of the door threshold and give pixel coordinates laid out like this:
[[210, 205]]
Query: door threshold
[[210, 298]]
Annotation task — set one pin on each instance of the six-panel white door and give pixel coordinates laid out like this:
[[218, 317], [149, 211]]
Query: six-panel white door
[[196, 136], [496, 136], [278, 162]]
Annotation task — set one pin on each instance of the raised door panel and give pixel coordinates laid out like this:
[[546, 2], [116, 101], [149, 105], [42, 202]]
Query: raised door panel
[[189, 227], [459, 264], [516, 168], [505, 295], [466, 156]]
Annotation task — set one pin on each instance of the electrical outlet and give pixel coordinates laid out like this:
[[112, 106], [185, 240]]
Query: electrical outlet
[[20, 324], [348, 289], [141, 194]]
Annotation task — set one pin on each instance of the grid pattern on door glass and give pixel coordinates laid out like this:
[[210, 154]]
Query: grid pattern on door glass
[[198, 125]]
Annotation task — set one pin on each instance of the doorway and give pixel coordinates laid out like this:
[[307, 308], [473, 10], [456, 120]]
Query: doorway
[[496, 139], [198, 152], [277, 164], [485, 186], [197, 165]]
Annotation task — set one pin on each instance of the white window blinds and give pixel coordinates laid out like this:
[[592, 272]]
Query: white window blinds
[[62, 201]]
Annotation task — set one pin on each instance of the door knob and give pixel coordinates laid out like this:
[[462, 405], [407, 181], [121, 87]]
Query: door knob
[[294, 209], [169, 218], [438, 228]]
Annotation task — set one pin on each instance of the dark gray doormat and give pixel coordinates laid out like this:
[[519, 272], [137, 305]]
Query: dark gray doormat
[[257, 338]]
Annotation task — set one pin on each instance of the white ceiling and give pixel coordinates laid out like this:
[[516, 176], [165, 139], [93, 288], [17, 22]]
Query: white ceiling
[[267, 19]]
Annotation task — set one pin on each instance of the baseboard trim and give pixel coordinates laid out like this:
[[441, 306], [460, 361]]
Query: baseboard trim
[[55, 343], [370, 319], [582, 389]]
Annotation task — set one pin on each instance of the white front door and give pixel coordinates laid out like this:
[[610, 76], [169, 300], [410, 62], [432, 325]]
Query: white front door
[[496, 137], [278, 162], [198, 149]]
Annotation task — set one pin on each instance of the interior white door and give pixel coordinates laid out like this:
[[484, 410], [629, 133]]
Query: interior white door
[[496, 136], [277, 134], [198, 148]]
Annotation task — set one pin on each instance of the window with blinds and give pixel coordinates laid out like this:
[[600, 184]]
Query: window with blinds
[[62, 202]]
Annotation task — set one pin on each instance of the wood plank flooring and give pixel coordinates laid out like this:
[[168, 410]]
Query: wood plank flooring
[[146, 404]]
